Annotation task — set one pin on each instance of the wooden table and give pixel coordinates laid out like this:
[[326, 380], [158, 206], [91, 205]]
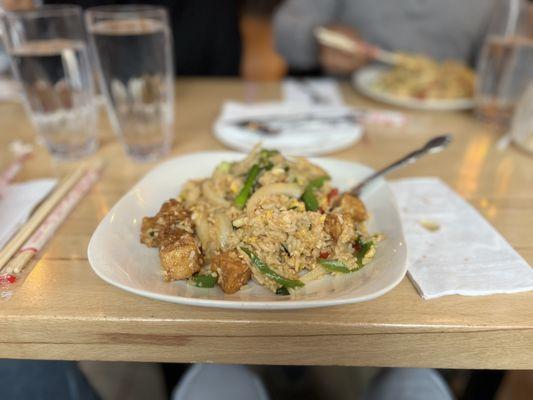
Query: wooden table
[[64, 311]]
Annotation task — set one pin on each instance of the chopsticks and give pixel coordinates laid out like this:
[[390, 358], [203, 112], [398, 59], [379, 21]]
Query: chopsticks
[[339, 41], [47, 218]]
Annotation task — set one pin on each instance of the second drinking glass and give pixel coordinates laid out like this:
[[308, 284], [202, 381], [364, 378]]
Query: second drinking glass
[[133, 49], [48, 52]]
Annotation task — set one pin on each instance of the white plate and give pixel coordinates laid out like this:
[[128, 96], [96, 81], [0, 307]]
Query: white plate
[[118, 257], [364, 80], [306, 140]]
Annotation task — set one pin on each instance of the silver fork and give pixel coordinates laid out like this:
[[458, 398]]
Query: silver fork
[[435, 145]]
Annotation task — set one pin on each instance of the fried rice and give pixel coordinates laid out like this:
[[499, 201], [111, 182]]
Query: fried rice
[[275, 220]]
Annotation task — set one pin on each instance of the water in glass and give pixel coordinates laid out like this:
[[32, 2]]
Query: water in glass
[[505, 68], [134, 62], [56, 78]]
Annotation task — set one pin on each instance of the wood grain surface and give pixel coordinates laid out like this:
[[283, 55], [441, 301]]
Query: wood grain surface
[[64, 311]]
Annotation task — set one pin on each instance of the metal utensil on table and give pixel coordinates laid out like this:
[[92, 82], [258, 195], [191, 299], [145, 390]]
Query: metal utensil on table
[[339, 41], [315, 95], [435, 145], [270, 125]]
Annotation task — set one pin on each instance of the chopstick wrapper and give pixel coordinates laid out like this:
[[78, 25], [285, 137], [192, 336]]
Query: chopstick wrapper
[[17, 202], [452, 249]]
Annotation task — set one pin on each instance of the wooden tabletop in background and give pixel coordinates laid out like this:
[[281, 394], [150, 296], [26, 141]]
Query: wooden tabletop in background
[[64, 311]]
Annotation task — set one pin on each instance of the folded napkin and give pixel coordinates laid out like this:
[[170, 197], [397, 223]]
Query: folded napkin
[[452, 249], [303, 129], [17, 202]]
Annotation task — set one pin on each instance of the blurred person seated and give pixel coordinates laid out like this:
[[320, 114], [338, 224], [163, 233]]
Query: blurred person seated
[[63, 380], [40, 380], [205, 33], [442, 29], [388, 384]]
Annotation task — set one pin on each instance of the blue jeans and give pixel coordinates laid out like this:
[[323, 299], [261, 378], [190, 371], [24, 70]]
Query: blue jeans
[[43, 380]]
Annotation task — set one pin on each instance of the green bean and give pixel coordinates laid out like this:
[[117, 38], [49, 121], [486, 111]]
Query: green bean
[[269, 273], [362, 250], [335, 266], [338, 266], [248, 186], [251, 178], [308, 197]]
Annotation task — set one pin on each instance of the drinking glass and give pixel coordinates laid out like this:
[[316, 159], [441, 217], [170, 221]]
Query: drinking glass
[[134, 54], [522, 123], [506, 59], [48, 53]]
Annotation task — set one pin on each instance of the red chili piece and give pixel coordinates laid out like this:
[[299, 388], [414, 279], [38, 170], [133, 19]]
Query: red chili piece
[[324, 254]]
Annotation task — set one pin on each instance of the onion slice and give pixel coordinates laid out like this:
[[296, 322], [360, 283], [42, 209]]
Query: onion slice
[[288, 189]]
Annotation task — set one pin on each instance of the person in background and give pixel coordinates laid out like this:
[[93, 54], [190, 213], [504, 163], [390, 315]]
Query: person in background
[[205, 33], [442, 29]]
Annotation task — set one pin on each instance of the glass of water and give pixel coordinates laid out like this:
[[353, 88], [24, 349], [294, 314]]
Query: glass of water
[[505, 65], [522, 122], [132, 44], [48, 51]]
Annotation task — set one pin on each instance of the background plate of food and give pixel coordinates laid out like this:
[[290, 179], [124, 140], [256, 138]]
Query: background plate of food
[[422, 85], [256, 231]]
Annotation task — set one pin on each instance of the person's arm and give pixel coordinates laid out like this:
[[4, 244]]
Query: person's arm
[[15, 5], [294, 22]]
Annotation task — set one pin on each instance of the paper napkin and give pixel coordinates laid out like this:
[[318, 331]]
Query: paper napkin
[[17, 202], [451, 248]]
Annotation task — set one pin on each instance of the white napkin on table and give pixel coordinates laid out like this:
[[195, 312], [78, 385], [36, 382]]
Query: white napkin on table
[[466, 255], [17, 202], [309, 137]]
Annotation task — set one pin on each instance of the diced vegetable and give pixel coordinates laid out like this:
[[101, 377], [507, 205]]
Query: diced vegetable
[[308, 197], [269, 273], [248, 186], [335, 266], [324, 254], [282, 291], [204, 281]]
